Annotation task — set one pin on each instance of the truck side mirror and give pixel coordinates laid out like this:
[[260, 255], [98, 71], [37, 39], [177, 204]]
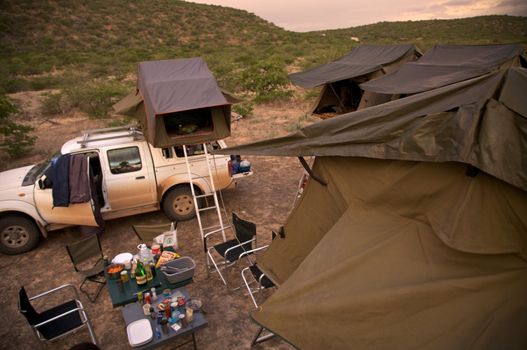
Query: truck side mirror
[[44, 182]]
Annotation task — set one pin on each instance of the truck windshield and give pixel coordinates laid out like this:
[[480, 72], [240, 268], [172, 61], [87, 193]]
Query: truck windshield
[[37, 170]]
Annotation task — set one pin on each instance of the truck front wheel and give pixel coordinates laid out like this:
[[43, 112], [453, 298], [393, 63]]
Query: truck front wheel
[[178, 204], [17, 235]]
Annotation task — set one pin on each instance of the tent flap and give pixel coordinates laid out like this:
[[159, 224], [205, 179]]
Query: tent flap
[[362, 60], [406, 129], [416, 255], [444, 65]]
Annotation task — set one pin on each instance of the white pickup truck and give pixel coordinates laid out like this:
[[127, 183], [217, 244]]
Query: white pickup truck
[[133, 177]]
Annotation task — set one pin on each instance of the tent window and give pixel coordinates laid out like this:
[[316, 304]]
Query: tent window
[[188, 122]]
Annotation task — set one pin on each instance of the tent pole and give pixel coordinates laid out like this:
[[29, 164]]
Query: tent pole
[[311, 173], [336, 95]]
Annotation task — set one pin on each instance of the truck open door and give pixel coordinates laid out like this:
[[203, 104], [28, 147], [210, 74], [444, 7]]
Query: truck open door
[[74, 214]]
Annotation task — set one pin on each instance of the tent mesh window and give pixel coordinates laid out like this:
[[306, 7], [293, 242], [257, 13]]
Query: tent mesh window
[[189, 122]]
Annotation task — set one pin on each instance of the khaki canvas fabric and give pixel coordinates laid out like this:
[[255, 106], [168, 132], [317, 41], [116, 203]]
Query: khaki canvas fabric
[[460, 122], [340, 79], [169, 86], [133, 105], [419, 238], [360, 61], [414, 255], [447, 64]]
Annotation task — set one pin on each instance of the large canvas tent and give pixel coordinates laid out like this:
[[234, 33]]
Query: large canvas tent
[[178, 102], [447, 64], [419, 237], [340, 79]]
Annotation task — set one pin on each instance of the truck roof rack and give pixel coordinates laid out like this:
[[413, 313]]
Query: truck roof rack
[[98, 134]]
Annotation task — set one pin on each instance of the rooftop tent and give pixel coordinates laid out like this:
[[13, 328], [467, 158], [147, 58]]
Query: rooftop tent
[[447, 64], [341, 78], [408, 245], [179, 102]]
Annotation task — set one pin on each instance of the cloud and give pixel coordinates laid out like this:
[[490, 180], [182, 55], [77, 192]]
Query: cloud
[[513, 7], [459, 2], [309, 15]]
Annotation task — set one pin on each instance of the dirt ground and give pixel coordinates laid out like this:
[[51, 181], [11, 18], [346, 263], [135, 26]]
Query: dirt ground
[[264, 198]]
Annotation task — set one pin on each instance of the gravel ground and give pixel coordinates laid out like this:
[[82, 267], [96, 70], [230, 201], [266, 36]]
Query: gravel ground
[[265, 198]]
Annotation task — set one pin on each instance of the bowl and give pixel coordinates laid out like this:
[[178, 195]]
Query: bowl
[[195, 304], [114, 270]]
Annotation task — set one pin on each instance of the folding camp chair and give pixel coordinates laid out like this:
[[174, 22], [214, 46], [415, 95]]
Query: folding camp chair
[[230, 252], [252, 275], [87, 258], [58, 321], [147, 233]]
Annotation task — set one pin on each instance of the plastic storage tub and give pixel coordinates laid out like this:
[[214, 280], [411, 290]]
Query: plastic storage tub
[[179, 269]]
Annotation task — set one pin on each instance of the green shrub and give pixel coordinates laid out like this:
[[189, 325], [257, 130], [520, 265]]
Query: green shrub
[[14, 84], [53, 104], [267, 80], [95, 99], [16, 140], [311, 94], [6, 108], [245, 109]]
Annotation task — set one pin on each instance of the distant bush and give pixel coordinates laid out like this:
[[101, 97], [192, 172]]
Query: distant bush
[[15, 138], [311, 94], [245, 109], [53, 103], [267, 80], [95, 99]]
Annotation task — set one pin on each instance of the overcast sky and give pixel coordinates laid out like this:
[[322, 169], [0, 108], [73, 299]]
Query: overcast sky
[[308, 15]]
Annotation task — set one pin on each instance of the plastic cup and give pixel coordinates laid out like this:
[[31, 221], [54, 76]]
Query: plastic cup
[[124, 276], [146, 309]]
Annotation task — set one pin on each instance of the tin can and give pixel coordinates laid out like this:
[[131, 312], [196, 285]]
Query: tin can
[[156, 248], [124, 276]]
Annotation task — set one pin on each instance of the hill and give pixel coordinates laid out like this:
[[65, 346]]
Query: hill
[[90, 50]]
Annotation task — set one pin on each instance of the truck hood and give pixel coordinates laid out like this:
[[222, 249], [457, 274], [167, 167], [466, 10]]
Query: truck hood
[[13, 178]]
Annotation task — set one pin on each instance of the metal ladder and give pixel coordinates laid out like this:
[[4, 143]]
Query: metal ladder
[[220, 227]]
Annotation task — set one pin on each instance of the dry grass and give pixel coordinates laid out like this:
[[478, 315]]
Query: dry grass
[[264, 198]]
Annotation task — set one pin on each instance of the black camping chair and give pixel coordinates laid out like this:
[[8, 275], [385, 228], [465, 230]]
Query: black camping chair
[[230, 252], [87, 258], [58, 321], [252, 275]]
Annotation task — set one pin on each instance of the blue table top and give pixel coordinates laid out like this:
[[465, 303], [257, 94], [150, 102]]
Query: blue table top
[[125, 293], [134, 311]]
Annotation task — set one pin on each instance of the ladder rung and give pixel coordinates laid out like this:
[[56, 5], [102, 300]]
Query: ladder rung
[[207, 208], [205, 195], [216, 226], [216, 230]]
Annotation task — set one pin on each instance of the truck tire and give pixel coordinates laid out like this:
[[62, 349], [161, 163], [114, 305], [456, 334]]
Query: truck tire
[[17, 235], [178, 204]]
